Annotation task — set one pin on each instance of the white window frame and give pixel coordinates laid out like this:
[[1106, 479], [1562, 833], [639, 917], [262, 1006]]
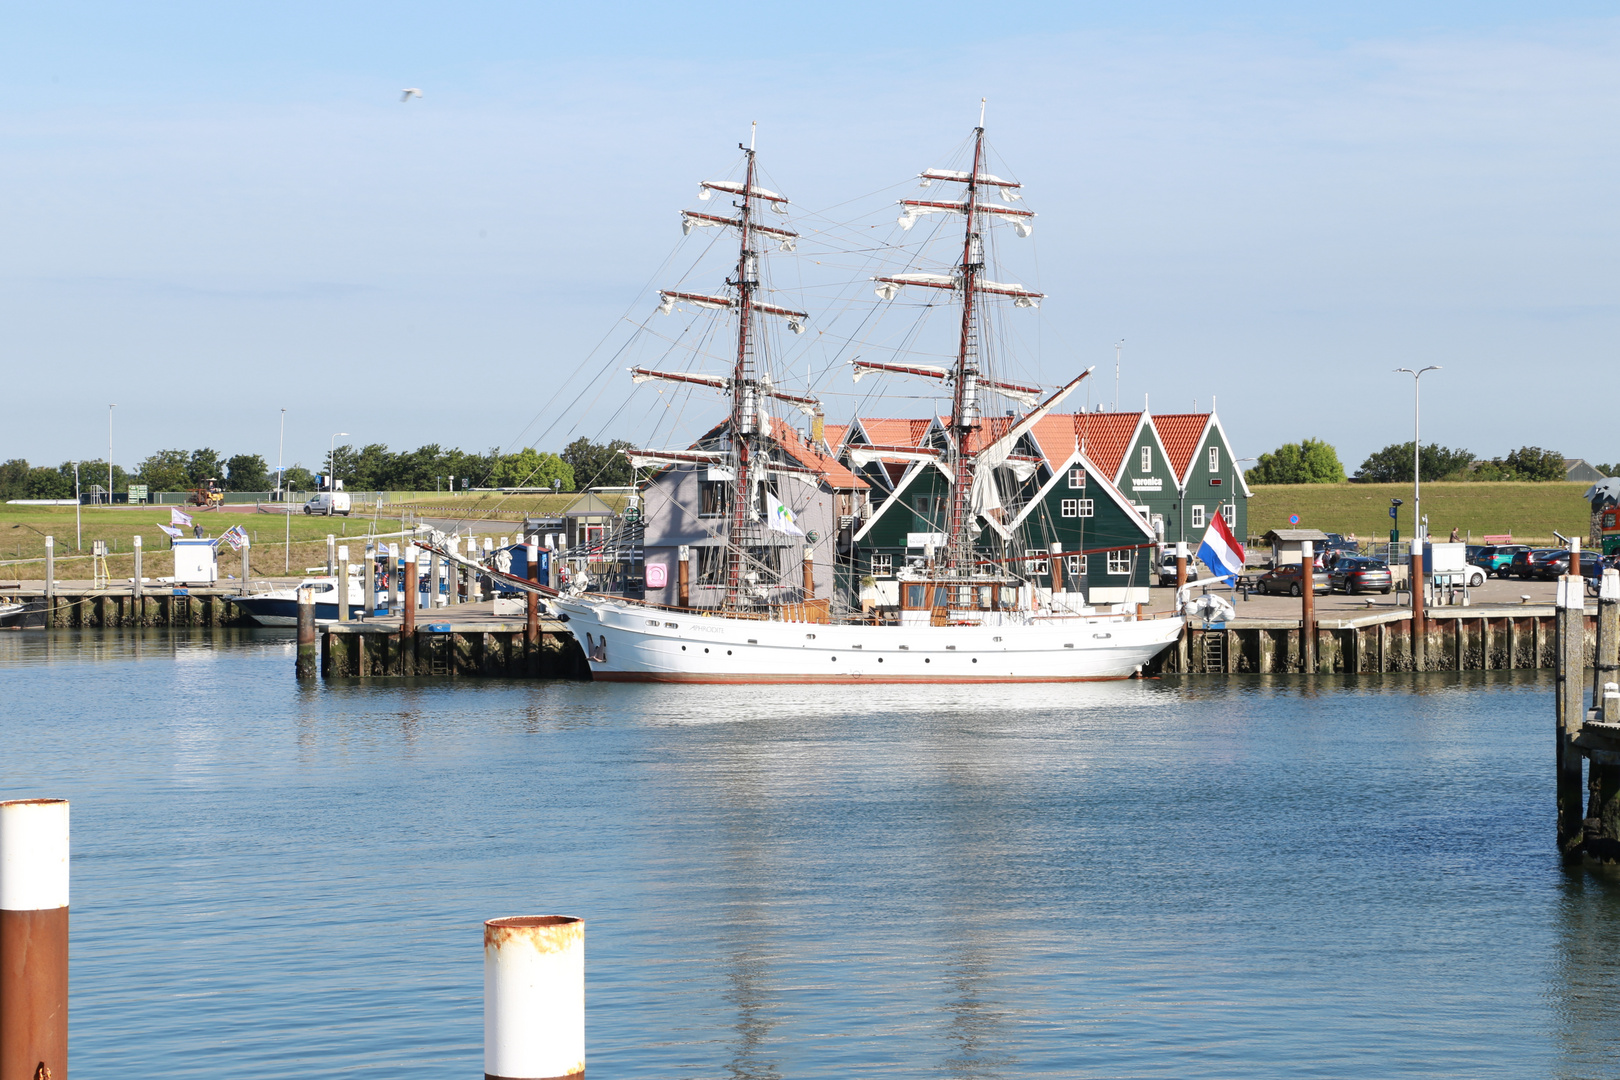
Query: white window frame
[[882, 565], [1198, 518], [1147, 459], [1069, 508], [1229, 513], [1076, 565], [1077, 479], [1214, 459], [1119, 563], [1036, 566], [1088, 507]]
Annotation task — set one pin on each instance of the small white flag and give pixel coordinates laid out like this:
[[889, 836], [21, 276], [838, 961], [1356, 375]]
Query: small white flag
[[178, 517], [171, 531], [781, 519]]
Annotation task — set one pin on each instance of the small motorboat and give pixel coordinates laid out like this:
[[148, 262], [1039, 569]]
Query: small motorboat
[[279, 607]]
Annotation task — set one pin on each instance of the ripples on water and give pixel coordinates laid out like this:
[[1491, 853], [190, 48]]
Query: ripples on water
[[1244, 878]]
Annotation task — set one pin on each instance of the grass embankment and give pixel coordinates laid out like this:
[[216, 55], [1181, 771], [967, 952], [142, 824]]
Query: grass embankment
[[23, 530], [1529, 511], [494, 506]]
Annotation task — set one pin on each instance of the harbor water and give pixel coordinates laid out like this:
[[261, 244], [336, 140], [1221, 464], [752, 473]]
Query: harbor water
[[1257, 877]]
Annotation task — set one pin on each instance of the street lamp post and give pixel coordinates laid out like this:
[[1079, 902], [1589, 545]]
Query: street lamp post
[[1418, 531], [281, 441], [1419, 630], [110, 408], [281, 492]]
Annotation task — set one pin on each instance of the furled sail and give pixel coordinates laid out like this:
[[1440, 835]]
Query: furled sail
[[1026, 395], [911, 209], [862, 455], [641, 459], [803, 402], [779, 203], [889, 287], [1009, 188], [692, 219], [795, 319]]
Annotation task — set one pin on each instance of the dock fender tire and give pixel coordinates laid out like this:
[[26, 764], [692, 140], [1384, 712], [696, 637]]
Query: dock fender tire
[[1293, 590]]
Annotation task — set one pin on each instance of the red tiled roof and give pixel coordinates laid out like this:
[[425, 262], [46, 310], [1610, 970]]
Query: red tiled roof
[[891, 432], [788, 438], [1106, 437], [833, 435], [1180, 433]]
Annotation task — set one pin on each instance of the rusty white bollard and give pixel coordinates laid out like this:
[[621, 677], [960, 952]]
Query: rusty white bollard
[[33, 938], [534, 997]]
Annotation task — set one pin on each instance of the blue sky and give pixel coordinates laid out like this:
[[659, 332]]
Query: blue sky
[[210, 213]]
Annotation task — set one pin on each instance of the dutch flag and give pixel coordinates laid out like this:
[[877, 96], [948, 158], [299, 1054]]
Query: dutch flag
[[1220, 550]]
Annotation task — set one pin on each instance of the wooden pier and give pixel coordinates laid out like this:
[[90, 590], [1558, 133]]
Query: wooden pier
[[1452, 639], [106, 608], [1589, 734], [469, 645]]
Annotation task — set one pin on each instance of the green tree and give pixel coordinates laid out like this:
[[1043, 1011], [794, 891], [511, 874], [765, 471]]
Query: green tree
[[14, 479], [1534, 463], [298, 478], [204, 464], [1393, 464], [95, 472], [248, 472], [48, 483], [599, 465], [530, 468], [165, 471], [1309, 461]]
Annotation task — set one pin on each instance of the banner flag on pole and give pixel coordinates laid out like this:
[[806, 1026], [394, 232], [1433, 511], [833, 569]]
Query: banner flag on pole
[[171, 532], [178, 517], [1220, 550]]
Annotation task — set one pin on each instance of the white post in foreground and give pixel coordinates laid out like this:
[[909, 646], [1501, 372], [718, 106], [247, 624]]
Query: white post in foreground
[[534, 998], [33, 937]]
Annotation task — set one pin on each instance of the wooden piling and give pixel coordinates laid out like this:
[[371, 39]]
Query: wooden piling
[[343, 583], [1307, 599], [1569, 702], [683, 577], [33, 939], [308, 646]]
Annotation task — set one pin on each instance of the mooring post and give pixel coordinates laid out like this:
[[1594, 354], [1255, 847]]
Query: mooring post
[[534, 997], [1569, 698], [531, 606], [1602, 827], [50, 577], [1607, 659], [1181, 566], [408, 590], [683, 576], [1419, 630], [138, 591], [331, 554], [343, 583], [433, 581], [1057, 570], [308, 648], [452, 574], [33, 938], [809, 573], [1307, 600], [247, 567]]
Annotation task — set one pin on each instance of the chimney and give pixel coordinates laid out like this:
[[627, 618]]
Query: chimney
[[818, 428]]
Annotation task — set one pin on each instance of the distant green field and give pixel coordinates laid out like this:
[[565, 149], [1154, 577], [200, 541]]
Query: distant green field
[[1529, 511]]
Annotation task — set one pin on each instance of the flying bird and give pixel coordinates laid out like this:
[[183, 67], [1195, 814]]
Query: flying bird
[[407, 93]]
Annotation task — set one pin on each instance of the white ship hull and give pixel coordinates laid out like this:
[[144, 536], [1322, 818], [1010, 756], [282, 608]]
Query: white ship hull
[[630, 643]]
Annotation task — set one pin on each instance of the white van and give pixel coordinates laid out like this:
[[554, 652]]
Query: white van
[[328, 503]]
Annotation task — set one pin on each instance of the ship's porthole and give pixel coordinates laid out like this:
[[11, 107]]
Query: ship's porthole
[[728, 652], [835, 659], [880, 659], [705, 650], [926, 660], [975, 659], [683, 648]]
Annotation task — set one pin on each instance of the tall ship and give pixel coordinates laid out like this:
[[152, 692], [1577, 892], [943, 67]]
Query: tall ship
[[963, 605]]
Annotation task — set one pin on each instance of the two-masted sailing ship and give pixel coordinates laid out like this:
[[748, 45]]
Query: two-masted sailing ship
[[962, 615]]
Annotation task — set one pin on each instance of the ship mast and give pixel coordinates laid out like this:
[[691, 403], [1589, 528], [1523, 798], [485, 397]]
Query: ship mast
[[744, 407], [965, 401]]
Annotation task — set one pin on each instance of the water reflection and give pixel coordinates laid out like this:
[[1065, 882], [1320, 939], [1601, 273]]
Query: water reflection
[[1585, 981]]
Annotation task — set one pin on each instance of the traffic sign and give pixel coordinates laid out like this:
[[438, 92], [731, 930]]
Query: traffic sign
[[1293, 519]]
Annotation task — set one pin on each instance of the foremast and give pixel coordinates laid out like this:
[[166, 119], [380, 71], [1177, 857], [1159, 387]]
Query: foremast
[[965, 401], [746, 454]]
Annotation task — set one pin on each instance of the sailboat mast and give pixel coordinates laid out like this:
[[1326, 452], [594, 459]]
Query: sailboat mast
[[744, 406], [965, 403]]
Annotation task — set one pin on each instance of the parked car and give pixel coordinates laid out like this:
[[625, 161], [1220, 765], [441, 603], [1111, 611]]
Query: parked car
[[1594, 571], [1558, 564], [1287, 579], [1495, 559], [1524, 562], [1540, 565], [1359, 575], [1167, 568]]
